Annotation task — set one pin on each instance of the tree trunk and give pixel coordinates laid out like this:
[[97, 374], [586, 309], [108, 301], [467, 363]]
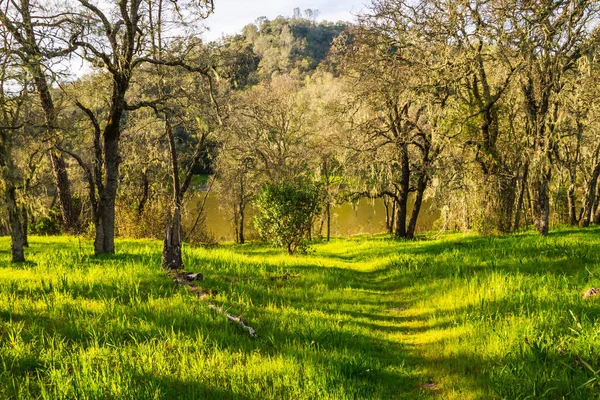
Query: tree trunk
[[400, 219], [16, 229], [236, 224], [541, 206], [33, 62], [63, 190], [571, 201], [105, 234], [386, 204], [171, 255], [401, 207], [145, 194], [590, 200], [99, 230], [328, 215], [521, 198], [412, 225], [25, 225], [241, 238], [392, 217]]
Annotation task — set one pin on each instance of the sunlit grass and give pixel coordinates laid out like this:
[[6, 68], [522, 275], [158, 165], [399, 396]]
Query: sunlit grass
[[460, 316]]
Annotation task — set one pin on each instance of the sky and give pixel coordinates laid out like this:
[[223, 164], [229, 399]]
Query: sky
[[231, 16]]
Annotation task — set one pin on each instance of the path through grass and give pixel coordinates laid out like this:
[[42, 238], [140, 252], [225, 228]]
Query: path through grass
[[458, 317]]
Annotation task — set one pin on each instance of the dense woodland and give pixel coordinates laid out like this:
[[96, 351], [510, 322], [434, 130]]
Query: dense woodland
[[490, 109]]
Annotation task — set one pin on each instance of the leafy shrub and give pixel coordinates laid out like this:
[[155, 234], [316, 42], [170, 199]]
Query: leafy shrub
[[44, 225], [285, 213]]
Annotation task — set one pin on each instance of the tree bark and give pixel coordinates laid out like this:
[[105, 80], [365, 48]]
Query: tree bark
[[392, 217], [241, 238], [105, 232], [171, 255], [571, 200], [59, 170], [590, 200], [541, 206], [521, 197], [63, 190], [16, 229], [25, 225], [402, 202], [596, 207], [145, 191], [412, 225], [328, 212]]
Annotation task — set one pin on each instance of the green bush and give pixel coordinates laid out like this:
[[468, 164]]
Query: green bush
[[285, 214], [45, 226]]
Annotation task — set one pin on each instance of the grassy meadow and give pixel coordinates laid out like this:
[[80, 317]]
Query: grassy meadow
[[458, 317]]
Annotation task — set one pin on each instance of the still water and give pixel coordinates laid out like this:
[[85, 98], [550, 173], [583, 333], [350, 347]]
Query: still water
[[365, 217]]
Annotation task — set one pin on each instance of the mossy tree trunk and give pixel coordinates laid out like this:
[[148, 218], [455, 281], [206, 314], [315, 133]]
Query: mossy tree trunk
[[16, 228]]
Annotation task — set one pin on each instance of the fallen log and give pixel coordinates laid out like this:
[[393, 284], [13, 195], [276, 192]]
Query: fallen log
[[187, 279], [232, 318]]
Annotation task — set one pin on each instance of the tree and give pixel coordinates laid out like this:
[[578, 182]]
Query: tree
[[40, 43], [286, 212], [121, 42], [549, 37], [396, 134], [11, 108], [264, 140]]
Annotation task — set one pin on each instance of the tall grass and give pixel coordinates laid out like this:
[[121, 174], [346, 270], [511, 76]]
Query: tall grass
[[368, 317]]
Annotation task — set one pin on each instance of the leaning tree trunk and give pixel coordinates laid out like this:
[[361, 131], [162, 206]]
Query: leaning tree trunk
[[388, 225], [171, 255], [63, 190], [412, 225], [33, 64], [16, 229]]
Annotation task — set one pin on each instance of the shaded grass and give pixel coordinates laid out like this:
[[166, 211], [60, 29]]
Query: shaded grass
[[369, 317]]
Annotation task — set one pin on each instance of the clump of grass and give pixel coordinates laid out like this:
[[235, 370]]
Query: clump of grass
[[367, 317]]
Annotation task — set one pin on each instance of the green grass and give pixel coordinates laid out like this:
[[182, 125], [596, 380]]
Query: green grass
[[457, 317]]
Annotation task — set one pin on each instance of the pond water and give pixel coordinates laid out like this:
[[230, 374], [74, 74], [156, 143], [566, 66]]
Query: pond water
[[365, 217]]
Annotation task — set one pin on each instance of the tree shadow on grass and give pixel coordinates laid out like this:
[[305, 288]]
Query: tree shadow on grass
[[361, 360]]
